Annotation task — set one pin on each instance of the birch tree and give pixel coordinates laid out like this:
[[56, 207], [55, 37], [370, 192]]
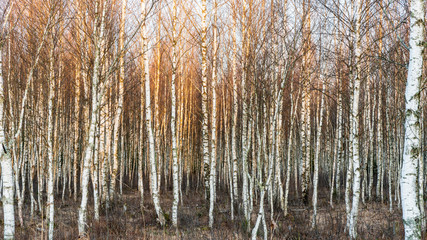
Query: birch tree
[[173, 120], [411, 152], [235, 109], [243, 97], [148, 121], [119, 111], [205, 129], [5, 157], [355, 119], [88, 153], [317, 155], [51, 96], [6, 161], [305, 111], [212, 177]]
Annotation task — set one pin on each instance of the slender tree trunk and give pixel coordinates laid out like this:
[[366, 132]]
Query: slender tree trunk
[[290, 146], [245, 117], [212, 177], [95, 168], [317, 156], [234, 143], [6, 161], [50, 185], [338, 130], [379, 143], [142, 141], [355, 118], [5, 155], [411, 153], [205, 129], [88, 153], [149, 122], [174, 122], [119, 110], [306, 103], [421, 176], [371, 148]]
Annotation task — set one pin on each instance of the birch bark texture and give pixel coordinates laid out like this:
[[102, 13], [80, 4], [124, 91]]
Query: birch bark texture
[[174, 121], [411, 152], [119, 109], [212, 175], [88, 153], [149, 122], [50, 142], [355, 119], [205, 127], [5, 158]]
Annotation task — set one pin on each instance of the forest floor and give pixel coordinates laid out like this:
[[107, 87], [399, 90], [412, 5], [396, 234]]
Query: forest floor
[[125, 220]]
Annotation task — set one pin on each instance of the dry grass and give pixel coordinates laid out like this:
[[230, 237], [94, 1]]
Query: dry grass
[[375, 220]]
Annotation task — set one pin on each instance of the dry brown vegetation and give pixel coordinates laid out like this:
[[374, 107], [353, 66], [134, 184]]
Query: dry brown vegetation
[[124, 220], [248, 97]]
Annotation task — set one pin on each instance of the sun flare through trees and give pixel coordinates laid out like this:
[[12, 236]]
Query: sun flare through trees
[[212, 119]]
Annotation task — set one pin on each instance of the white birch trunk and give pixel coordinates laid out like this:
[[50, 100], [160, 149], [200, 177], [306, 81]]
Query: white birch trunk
[[371, 149], [289, 155], [421, 176], [107, 156], [103, 153], [156, 117], [6, 165], [411, 152], [379, 143], [149, 122], [270, 159], [88, 153], [95, 166], [174, 122], [339, 144], [388, 151], [354, 116], [235, 112], [306, 103], [348, 182], [119, 109], [142, 141], [205, 137], [337, 152], [5, 156], [261, 214], [212, 177], [317, 156], [81, 79], [305, 138], [245, 141], [50, 185], [140, 161]]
